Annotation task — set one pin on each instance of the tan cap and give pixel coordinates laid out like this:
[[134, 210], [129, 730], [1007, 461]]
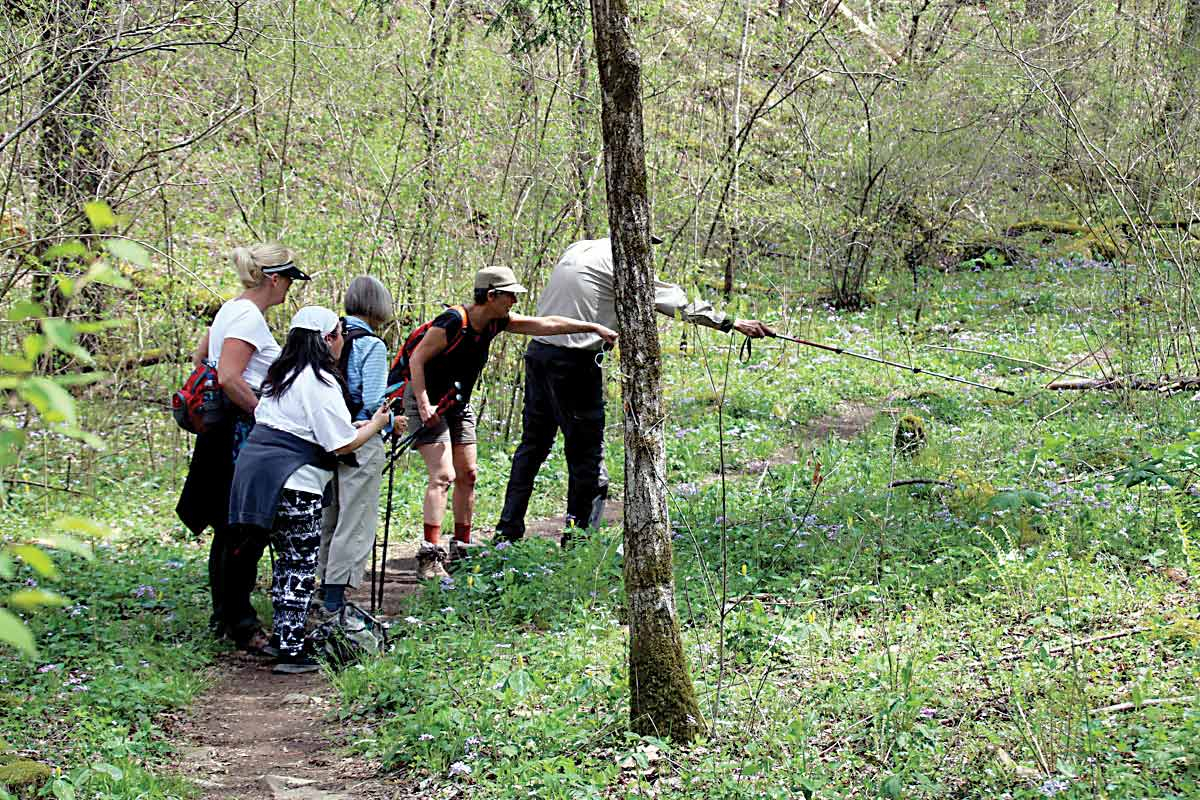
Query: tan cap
[[501, 279]]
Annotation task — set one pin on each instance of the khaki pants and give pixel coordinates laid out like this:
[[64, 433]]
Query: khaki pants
[[348, 529]]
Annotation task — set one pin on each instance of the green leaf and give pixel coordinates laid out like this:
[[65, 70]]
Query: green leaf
[[66, 285], [11, 363], [61, 334], [30, 599], [50, 400], [73, 249], [36, 557], [11, 442], [7, 568], [520, 682], [79, 378], [82, 526], [100, 325], [34, 345], [125, 250], [25, 309], [892, 787], [68, 544], [14, 632], [100, 215], [90, 439], [109, 770], [63, 790]]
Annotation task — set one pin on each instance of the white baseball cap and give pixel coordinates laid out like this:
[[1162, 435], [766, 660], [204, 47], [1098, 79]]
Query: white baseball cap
[[315, 318]]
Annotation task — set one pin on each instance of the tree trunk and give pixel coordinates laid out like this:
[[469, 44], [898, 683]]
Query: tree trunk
[[73, 157], [1180, 97], [662, 701], [733, 223], [443, 23], [582, 157]]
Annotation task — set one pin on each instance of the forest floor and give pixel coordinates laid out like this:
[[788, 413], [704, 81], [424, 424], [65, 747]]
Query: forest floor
[[1011, 611], [253, 734]]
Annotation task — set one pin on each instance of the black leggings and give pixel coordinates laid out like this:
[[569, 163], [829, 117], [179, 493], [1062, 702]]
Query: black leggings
[[296, 538], [232, 572]]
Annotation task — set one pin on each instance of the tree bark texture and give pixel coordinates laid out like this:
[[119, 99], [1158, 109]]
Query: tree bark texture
[[74, 162], [73, 158], [1180, 99], [581, 159], [662, 701]]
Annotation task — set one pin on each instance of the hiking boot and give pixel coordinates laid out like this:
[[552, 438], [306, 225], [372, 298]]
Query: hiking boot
[[571, 531], [460, 552], [431, 563], [295, 665]]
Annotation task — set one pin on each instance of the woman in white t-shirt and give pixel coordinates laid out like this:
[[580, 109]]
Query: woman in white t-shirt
[[241, 346], [301, 423]]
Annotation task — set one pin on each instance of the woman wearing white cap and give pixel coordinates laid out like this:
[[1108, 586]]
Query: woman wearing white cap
[[301, 426]]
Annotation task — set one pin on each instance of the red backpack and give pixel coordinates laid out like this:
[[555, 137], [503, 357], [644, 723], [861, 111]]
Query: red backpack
[[399, 374], [201, 403]]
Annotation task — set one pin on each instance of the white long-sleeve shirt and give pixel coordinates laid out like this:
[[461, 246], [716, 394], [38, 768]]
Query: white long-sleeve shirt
[[582, 287]]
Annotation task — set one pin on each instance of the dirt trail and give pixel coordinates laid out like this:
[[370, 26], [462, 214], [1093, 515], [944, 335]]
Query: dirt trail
[[259, 735], [846, 422]]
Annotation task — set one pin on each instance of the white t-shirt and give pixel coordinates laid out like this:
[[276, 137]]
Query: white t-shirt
[[241, 319], [316, 412]]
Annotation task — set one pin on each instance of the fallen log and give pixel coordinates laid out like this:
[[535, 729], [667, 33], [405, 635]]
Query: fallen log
[[1183, 383], [1153, 701]]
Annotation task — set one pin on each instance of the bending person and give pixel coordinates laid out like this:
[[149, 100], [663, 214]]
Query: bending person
[[348, 531], [564, 386], [282, 472], [454, 349], [241, 346]]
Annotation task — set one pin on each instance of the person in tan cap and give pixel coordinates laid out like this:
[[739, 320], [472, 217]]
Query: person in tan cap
[[454, 350]]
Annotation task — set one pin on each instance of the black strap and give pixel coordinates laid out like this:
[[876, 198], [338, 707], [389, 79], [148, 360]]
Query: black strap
[[746, 350]]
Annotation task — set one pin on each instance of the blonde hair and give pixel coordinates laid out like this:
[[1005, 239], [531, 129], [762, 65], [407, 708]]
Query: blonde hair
[[249, 261], [369, 299]]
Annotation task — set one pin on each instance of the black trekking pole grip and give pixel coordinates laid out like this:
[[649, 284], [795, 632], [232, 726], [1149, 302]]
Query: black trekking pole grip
[[448, 401]]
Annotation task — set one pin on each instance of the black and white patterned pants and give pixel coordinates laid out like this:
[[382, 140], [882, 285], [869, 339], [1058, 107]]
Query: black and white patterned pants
[[296, 538]]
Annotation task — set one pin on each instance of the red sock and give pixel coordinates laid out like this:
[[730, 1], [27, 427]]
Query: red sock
[[433, 533], [462, 532]]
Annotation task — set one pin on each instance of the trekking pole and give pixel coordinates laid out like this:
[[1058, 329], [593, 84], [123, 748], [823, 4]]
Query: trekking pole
[[445, 404], [399, 446], [841, 351], [376, 579]]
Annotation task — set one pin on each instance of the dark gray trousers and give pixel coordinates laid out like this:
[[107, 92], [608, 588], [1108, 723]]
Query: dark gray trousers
[[564, 389]]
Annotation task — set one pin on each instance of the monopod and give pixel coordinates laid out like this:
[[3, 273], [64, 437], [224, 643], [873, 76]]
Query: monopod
[[841, 351]]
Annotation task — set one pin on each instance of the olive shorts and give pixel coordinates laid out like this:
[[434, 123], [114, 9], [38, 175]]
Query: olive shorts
[[455, 427]]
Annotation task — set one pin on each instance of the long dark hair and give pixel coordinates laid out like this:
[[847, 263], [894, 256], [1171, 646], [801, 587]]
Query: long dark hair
[[303, 348]]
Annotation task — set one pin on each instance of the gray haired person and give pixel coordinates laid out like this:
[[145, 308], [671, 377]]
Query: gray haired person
[[348, 527], [564, 387]]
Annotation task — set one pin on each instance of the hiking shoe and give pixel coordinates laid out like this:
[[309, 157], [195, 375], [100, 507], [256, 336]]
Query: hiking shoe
[[295, 665], [460, 552], [431, 563], [571, 531], [512, 537]]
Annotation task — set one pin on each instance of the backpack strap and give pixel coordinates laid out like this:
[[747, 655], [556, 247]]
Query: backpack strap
[[462, 331], [350, 333]]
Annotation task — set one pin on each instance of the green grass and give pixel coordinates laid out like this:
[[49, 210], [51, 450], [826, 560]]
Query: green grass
[[876, 642], [909, 642], [130, 645]]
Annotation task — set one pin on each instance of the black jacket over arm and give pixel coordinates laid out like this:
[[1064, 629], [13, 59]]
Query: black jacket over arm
[[204, 500], [267, 460]]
